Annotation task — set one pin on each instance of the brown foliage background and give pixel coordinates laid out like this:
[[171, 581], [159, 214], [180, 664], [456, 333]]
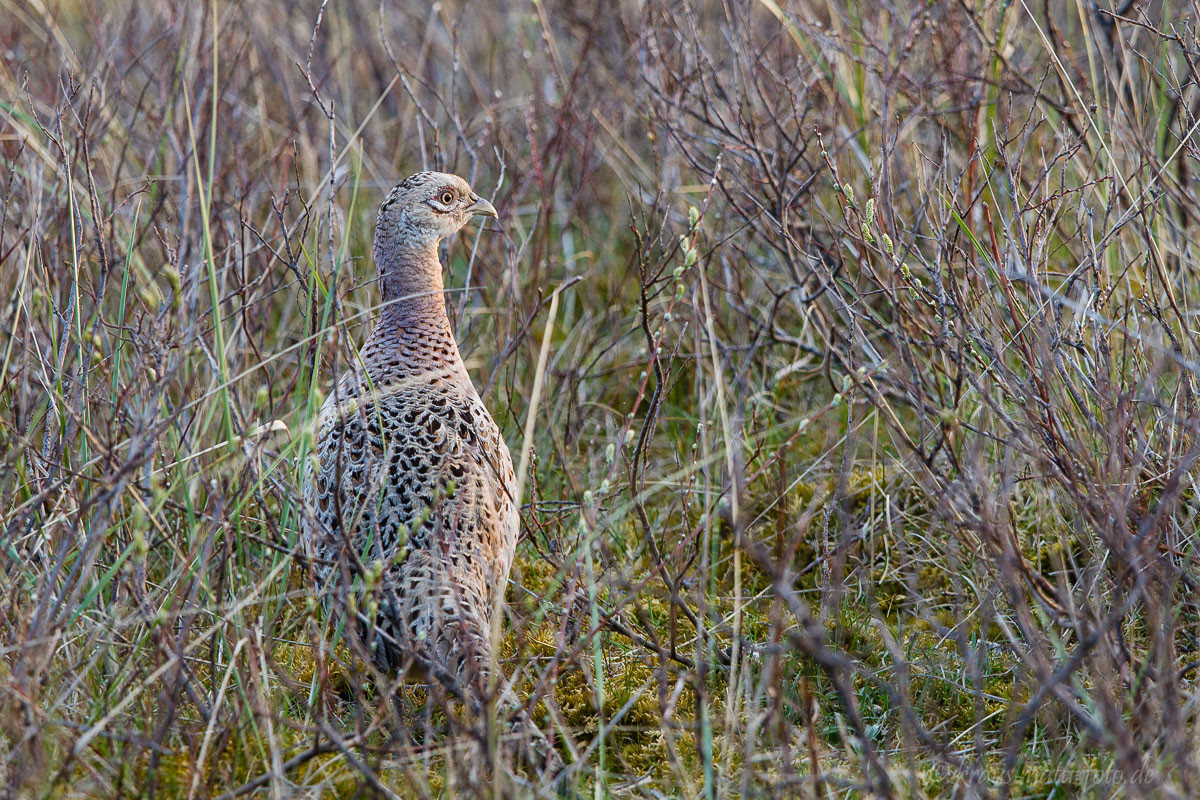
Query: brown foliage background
[[857, 339]]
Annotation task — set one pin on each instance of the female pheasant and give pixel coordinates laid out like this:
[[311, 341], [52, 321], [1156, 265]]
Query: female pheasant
[[412, 491]]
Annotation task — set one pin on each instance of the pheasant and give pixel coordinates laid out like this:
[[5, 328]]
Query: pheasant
[[412, 493]]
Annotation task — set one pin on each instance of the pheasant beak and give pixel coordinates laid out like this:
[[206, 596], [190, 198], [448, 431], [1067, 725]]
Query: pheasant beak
[[481, 206]]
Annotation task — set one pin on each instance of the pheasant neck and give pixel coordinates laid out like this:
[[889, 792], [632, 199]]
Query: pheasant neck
[[414, 321], [410, 280]]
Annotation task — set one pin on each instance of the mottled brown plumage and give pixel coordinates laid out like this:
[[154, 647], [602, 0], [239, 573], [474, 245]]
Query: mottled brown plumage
[[413, 482]]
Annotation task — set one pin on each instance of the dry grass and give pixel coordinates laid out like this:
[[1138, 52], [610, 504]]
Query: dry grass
[[864, 458]]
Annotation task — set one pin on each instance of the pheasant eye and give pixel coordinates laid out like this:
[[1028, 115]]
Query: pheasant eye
[[447, 198]]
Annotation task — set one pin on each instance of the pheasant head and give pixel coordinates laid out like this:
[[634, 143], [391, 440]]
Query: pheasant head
[[421, 211]]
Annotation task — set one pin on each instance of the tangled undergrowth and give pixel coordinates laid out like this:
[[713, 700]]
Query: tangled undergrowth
[[849, 348]]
